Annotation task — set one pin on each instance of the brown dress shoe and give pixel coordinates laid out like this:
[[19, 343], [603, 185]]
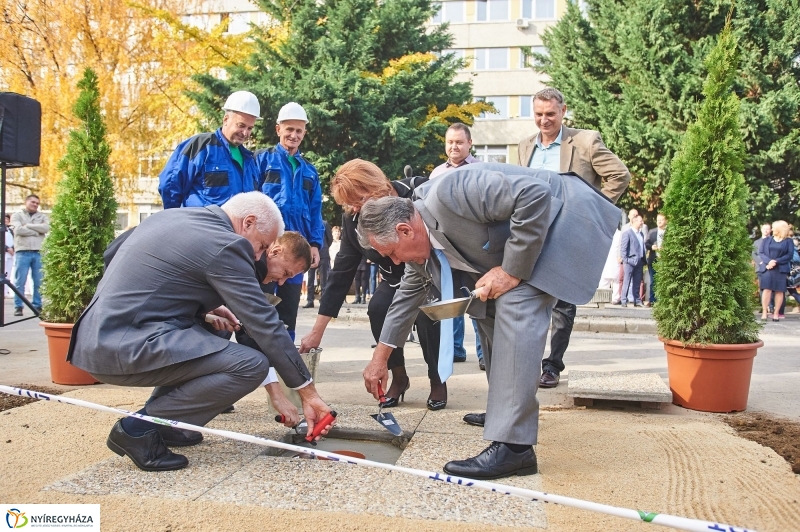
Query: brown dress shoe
[[548, 379]]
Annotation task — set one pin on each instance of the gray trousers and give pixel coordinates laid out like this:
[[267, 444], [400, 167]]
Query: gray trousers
[[513, 336], [197, 390]]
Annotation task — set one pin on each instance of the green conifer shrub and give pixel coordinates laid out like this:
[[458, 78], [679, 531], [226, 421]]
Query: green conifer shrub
[[82, 222], [704, 279]]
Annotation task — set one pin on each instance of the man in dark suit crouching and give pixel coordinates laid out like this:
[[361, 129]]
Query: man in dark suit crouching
[[145, 325]]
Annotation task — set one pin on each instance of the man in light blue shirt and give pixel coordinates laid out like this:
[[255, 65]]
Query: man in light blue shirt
[[547, 157]]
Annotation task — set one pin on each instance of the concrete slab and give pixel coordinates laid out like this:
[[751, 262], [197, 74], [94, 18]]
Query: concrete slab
[[618, 386], [224, 470], [448, 502]]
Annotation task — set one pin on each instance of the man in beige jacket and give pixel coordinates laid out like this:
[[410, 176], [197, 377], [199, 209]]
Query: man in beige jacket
[[563, 149], [30, 226]]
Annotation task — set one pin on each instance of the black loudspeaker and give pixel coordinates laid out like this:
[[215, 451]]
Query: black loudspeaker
[[20, 130]]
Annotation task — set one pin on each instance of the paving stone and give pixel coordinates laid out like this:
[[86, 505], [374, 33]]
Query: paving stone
[[118, 475], [439, 500], [448, 422], [618, 386], [225, 470], [303, 484]]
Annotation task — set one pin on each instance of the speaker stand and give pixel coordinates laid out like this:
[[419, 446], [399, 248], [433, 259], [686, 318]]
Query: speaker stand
[[4, 280]]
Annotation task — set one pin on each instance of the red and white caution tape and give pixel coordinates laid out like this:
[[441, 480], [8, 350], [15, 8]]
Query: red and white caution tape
[[680, 523]]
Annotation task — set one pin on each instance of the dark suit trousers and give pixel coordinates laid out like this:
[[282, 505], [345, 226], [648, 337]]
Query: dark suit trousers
[[362, 285], [563, 320], [197, 390], [632, 278], [427, 331], [290, 301], [323, 269], [310, 285]]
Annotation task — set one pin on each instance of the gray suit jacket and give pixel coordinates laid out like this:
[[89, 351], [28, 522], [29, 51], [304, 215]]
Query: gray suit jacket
[[583, 152], [177, 265], [540, 226]]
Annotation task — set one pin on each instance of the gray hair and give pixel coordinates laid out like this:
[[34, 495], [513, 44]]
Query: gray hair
[[267, 214], [545, 95], [379, 217]]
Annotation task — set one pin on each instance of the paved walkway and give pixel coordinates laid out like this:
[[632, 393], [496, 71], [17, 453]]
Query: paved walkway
[[671, 461]]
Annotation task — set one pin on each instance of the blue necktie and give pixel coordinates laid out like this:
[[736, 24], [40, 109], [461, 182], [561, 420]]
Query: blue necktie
[[446, 334]]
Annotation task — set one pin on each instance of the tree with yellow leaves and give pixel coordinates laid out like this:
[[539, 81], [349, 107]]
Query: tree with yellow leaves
[[144, 57]]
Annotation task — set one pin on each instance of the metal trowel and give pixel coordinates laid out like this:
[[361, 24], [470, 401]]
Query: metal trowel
[[450, 308], [272, 299], [386, 419]]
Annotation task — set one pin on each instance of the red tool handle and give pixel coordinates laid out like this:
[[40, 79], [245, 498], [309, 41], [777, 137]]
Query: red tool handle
[[280, 418], [381, 395], [320, 426]]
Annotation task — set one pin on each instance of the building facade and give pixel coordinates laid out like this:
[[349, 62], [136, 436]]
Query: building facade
[[493, 36]]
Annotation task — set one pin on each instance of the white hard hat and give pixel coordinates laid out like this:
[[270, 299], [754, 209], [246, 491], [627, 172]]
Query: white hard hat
[[243, 102], [292, 111]]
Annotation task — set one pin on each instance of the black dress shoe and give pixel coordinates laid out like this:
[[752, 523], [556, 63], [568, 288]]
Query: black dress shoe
[[17, 311], [148, 452], [179, 438], [434, 404], [229, 410], [482, 365], [496, 461], [548, 379], [310, 304], [475, 419]]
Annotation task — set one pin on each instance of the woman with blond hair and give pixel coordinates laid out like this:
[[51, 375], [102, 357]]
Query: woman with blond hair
[[356, 182], [775, 256]]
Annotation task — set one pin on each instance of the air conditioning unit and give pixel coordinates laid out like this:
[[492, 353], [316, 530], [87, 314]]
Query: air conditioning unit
[[523, 23]]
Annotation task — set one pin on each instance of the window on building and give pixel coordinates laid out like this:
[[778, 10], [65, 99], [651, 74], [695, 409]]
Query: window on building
[[525, 103], [545, 9], [238, 23], [500, 103], [539, 9], [142, 216], [491, 58], [122, 221], [496, 10], [492, 154], [528, 60], [449, 12]]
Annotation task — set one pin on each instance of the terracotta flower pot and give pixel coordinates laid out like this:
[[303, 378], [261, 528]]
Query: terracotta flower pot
[[710, 378], [61, 371]]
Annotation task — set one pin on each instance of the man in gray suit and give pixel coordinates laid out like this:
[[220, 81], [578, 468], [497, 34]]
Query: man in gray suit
[[510, 232], [145, 325]]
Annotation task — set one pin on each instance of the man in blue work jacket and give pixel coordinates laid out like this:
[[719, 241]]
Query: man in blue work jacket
[[293, 184], [210, 168]]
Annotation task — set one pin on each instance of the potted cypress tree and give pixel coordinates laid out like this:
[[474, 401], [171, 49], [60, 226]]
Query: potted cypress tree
[[81, 226], [705, 301]]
